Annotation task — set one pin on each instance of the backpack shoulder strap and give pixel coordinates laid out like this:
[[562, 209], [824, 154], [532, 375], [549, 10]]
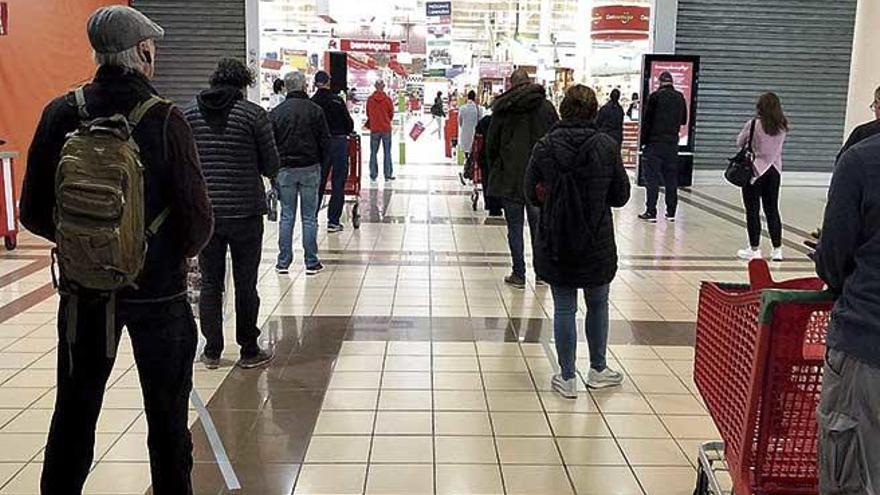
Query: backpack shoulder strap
[[79, 96], [138, 113], [752, 135]]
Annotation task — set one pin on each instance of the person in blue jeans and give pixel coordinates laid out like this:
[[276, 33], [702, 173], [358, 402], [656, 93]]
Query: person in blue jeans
[[302, 136], [575, 177], [336, 162], [380, 115]]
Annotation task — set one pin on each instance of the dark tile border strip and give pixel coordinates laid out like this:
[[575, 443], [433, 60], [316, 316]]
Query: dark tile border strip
[[736, 267], [29, 269], [25, 302]]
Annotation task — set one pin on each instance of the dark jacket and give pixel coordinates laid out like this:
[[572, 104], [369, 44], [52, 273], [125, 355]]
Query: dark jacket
[[610, 120], [437, 108], [859, 134], [520, 117], [335, 111], [663, 114], [172, 176], [236, 146], [593, 157], [848, 256], [301, 131]]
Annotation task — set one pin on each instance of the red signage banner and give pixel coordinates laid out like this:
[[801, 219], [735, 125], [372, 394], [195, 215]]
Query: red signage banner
[[4, 19], [621, 22], [683, 76], [369, 46]]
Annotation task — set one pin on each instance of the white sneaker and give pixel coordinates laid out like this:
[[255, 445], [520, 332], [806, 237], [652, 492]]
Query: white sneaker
[[566, 388], [776, 254], [606, 378], [749, 254]]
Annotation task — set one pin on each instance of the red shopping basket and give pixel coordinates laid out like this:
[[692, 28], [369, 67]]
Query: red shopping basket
[[758, 367]]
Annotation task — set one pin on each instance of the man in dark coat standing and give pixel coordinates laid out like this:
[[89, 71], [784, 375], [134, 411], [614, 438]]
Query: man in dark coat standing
[[237, 146], [664, 113], [335, 163], [520, 117], [610, 119]]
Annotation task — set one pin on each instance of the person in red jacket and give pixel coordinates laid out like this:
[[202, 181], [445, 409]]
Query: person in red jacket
[[380, 113]]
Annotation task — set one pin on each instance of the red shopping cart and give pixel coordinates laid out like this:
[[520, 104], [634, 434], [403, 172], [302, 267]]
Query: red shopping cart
[[352, 189], [758, 366]]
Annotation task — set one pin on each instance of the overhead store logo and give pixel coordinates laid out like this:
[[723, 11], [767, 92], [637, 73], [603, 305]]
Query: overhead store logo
[[621, 22], [438, 9], [369, 46], [4, 19]]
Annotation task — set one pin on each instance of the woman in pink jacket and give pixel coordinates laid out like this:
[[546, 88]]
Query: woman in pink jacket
[[771, 127]]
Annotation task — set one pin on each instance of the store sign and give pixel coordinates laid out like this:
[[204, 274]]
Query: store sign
[[369, 46], [495, 70], [438, 9], [4, 19], [684, 78], [621, 22]]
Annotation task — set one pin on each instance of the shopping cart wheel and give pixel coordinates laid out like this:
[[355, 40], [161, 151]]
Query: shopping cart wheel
[[11, 242], [355, 216], [475, 199], [702, 487]]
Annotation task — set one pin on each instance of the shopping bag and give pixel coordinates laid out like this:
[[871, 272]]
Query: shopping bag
[[272, 204], [417, 129]]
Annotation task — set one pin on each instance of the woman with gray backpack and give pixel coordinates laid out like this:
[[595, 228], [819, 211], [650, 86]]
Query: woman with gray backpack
[[575, 177]]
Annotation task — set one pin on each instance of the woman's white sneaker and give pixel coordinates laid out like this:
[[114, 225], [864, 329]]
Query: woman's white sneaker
[[776, 254], [749, 254], [604, 379], [565, 388]]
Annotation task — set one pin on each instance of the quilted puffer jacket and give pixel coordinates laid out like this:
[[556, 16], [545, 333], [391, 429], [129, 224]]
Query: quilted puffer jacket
[[237, 147]]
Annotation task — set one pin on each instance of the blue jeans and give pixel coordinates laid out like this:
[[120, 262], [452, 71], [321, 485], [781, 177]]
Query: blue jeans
[[301, 184], [337, 168], [565, 327], [515, 213], [383, 138]]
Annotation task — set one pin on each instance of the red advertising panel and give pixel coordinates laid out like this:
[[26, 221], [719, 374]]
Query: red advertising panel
[[369, 46], [4, 19], [684, 74], [621, 22]]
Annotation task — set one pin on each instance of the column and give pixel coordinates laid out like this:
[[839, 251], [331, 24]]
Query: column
[[252, 22], [864, 71], [664, 18]]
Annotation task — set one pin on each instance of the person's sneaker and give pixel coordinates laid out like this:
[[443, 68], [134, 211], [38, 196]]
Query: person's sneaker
[[209, 362], [566, 388], [749, 254], [315, 269], [540, 282], [776, 254], [648, 218], [390, 178], [282, 271], [670, 219], [515, 281], [261, 358], [604, 379], [335, 228]]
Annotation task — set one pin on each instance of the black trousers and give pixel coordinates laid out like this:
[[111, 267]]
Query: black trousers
[[243, 237], [764, 191], [493, 204], [661, 165], [164, 337]]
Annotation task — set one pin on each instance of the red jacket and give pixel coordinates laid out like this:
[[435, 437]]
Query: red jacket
[[380, 112]]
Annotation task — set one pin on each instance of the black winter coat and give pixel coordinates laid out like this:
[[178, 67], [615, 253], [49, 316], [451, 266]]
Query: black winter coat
[[520, 117], [237, 148], [335, 111], [664, 113], [604, 184], [301, 131], [610, 120]]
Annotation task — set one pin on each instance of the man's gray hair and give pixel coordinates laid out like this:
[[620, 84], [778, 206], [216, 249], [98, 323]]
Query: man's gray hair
[[295, 81], [127, 59]]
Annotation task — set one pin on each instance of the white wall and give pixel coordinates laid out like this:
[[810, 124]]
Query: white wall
[[865, 70]]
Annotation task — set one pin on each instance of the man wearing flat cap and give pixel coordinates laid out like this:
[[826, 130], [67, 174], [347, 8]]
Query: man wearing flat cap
[[663, 114], [154, 309]]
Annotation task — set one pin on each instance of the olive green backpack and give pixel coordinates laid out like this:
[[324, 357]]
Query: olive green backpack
[[101, 233]]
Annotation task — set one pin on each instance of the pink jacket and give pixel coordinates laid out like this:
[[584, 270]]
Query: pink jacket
[[767, 148]]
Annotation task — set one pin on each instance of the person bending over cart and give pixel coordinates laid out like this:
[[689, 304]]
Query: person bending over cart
[[848, 259]]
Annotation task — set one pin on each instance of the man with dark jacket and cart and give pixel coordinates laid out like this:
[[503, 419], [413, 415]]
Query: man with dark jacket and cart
[[335, 163], [520, 117], [237, 148]]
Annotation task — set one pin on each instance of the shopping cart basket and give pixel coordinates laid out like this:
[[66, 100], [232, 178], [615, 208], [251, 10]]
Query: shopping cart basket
[[758, 367], [352, 188], [476, 170]]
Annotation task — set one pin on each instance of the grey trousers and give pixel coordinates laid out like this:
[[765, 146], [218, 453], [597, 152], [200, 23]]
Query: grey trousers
[[849, 427]]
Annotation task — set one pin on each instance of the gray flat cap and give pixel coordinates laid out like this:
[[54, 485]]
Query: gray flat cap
[[117, 28]]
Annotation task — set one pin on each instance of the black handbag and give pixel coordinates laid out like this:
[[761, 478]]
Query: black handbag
[[741, 168]]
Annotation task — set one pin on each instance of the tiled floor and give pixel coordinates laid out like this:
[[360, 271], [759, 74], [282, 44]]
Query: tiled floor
[[408, 367]]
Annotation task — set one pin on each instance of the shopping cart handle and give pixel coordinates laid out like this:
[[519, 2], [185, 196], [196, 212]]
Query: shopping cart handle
[[771, 297]]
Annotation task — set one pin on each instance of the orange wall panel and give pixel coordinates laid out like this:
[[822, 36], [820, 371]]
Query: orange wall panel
[[45, 53]]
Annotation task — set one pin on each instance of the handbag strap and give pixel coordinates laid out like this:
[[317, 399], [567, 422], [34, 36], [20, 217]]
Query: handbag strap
[[752, 136]]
